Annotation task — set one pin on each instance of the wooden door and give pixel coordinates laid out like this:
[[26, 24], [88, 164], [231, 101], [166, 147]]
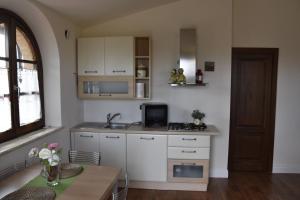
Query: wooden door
[[253, 98]]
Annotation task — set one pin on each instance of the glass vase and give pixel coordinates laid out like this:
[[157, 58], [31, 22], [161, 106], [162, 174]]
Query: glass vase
[[53, 175]]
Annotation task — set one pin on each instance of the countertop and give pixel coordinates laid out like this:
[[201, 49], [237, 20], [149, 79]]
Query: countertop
[[138, 129]]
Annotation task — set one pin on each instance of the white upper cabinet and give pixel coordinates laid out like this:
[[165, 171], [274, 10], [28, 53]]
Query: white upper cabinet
[[91, 56], [119, 56]]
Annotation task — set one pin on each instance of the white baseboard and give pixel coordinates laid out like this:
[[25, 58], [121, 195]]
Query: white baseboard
[[219, 173], [283, 168]]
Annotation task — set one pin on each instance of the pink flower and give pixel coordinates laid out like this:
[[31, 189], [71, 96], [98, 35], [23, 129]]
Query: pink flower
[[52, 146]]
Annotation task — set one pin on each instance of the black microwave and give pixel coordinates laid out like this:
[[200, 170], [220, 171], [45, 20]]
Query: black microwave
[[154, 114]]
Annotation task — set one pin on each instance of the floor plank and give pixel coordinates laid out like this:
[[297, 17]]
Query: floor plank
[[239, 186]]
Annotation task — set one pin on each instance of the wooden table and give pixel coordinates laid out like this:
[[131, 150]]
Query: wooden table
[[95, 182]]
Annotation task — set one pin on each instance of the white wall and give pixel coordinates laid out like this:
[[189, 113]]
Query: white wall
[[212, 19], [71, 106], [275, 23]]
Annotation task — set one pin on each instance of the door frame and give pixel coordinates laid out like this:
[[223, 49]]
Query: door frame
[[275, 53]]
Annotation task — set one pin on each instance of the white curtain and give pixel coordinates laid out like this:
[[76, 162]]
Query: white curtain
[[5, 113], [29, 104]]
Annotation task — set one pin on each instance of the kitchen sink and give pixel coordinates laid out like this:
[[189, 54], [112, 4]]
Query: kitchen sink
[[117, 126]]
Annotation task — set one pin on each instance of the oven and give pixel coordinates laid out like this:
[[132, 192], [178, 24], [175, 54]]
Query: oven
[[188, 171]]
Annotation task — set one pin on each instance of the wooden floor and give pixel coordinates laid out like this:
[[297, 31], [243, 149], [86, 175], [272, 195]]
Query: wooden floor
[[242, 186]]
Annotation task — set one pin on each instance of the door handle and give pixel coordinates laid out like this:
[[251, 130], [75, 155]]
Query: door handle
[[183, 151], [146, 138]]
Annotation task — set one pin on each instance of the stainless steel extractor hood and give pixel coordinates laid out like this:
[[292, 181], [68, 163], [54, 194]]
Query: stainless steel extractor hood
[[188, 53]]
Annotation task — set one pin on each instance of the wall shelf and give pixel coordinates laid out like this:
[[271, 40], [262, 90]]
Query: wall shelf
[[143, 58], [142, 78], [188, 85]]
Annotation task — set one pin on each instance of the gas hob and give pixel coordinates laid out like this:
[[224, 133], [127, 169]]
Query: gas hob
[[179, 126]]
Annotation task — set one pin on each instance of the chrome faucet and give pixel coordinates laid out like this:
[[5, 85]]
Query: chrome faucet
[[109, 118]]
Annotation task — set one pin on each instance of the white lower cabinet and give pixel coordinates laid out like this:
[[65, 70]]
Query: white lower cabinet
[[147, 157], [86, 141], [113, 150]]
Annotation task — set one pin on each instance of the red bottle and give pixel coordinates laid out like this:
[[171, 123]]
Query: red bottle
[[199, 76]]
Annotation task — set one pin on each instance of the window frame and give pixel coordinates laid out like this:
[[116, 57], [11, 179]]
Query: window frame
[[13, 21]]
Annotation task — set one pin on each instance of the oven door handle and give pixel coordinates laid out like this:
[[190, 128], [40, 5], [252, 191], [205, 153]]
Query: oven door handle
[[189, 164]]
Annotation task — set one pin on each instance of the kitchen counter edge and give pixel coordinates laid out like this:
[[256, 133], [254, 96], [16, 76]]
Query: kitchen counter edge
[[211, 130]]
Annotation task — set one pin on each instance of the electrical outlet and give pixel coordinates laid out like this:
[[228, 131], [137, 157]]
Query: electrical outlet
[[209, 66]]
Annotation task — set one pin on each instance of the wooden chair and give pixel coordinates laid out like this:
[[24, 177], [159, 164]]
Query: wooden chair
[[10, 170], [81, 157], [121, 193]]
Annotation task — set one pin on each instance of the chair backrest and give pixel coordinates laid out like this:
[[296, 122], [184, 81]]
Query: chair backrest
[[82, 157], [122, 193], [10, 170]]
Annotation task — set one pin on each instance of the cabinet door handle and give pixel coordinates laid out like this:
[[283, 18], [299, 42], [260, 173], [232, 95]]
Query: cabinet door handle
[[119, 71], [112, 137], [90, 71], [86, 136], [183, 151], [189, 139], [146, 138], [193, 164], [105, 95]]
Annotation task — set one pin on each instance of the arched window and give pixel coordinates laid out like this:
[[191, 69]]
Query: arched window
[[21, 78]]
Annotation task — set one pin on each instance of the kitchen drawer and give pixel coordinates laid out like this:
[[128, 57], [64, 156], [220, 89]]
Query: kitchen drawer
[[188, 153], [188, 141]]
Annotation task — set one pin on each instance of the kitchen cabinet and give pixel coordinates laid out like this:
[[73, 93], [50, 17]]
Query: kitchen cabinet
[[86, 141], [147, 157], [113, 150], [119, 56], [104, 87], [91, 56]]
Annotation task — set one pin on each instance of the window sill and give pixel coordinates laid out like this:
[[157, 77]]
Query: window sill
[[23, 140]]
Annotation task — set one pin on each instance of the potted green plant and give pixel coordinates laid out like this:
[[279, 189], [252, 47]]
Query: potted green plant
[[197, 116]]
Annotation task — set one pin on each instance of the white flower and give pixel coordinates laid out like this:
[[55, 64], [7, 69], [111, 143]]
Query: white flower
[[197, 122], [45, 154], [54, 160], [33, 152]]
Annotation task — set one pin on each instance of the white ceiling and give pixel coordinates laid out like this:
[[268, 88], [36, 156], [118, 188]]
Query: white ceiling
[[89, 12]]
